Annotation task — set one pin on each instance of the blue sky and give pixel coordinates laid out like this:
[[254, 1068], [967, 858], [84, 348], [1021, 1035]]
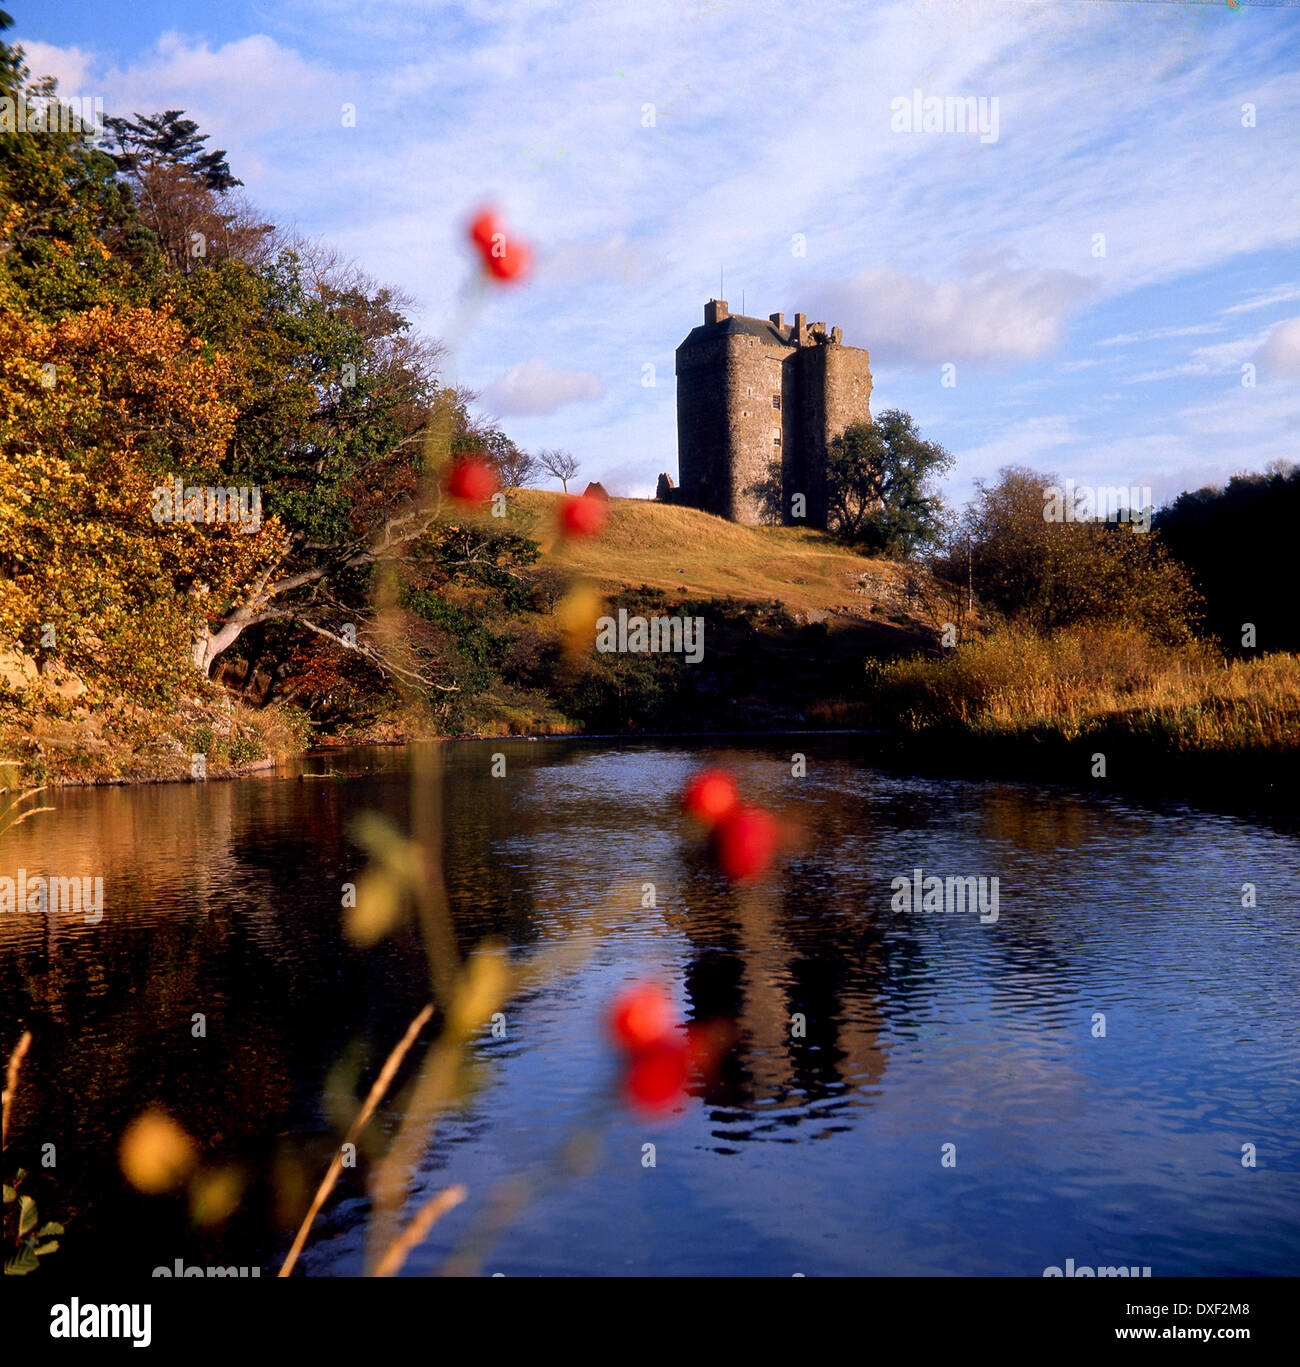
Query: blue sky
[[771, 153]]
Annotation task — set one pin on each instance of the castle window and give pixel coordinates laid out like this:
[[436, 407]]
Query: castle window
[[776, 438], [776, 402]]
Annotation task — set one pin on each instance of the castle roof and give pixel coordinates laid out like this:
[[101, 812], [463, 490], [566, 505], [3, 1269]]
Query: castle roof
[[766, 331]]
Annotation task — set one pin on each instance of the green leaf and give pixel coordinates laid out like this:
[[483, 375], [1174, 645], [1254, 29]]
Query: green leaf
[[50, 1228], [9, 1194], [19, 1175], [27, 1216], [22, 1262], [48, 1247]]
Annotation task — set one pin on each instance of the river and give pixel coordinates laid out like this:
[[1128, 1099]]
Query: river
[[1107, 1072]]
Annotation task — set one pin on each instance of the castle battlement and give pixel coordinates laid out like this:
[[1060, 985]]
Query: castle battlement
[[758, 401]]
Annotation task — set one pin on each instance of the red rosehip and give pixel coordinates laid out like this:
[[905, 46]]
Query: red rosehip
[[482, 230], [745, 842], [657, 1075], [471, 480], [642, 1016], [504, 256], [511, 262], [582, 514], [711, 795]]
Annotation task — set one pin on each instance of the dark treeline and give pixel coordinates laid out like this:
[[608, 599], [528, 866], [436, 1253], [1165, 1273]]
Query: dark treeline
[[1239, 543]]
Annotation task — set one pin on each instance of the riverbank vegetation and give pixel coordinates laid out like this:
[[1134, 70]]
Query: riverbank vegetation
[[1106, 637], [1087, 682]]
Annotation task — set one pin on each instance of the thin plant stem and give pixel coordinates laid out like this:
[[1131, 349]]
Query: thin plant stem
[[11, 1085], [381, 1085], [424, 1220]]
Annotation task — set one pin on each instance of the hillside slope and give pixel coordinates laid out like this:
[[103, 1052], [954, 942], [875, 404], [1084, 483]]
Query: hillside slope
[[682, 551]]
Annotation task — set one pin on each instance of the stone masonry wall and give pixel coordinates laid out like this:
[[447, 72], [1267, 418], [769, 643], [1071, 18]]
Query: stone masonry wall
[[703, 436], [728, 423], [754, 378]]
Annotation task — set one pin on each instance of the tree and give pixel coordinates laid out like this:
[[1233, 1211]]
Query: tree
[[145, 143], [877, 477], [61, 208], [124, 367], [1237, 544], [87, 571], [1050, 574], [560, 464], [181, 191], [341, 422], [945, 584], [514, 466]]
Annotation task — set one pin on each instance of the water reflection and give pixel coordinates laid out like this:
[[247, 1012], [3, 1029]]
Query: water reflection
[[881, 1036]]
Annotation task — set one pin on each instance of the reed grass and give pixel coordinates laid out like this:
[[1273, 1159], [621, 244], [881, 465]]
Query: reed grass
[[1077, 682]]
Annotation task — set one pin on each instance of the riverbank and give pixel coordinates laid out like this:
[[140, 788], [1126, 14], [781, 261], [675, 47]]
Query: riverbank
[[1104, 710]]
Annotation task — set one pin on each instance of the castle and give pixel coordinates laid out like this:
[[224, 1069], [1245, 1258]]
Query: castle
[[758, 402]]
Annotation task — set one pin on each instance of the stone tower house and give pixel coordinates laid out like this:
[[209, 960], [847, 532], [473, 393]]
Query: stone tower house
[[758, 399]]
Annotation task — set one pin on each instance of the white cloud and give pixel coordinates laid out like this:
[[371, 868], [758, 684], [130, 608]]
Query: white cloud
[[536, 387], [1036, 442], [1280, 352], [1220, 359], [68, 65], [1111, 122], [1159, 334], [1004, 312], [1283, 294]]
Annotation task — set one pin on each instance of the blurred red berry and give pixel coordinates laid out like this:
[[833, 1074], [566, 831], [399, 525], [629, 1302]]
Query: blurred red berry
[[471, 480], [657, 1075], [582, 515], [642, 1016], [510, 262], [710, 795], [485, 226], [745, 841], [504, 256]]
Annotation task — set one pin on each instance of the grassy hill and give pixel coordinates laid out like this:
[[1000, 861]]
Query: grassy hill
[[682, 551], [790, 618]]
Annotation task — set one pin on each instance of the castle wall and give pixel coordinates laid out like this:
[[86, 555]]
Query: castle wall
[[834, 386], [754, 378], [734, 441], [703, 434], [848, 388]]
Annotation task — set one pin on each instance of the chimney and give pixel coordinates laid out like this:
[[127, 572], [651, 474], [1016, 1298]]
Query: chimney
[[836, 335], [801, 329], [777, 320], [716, 310]]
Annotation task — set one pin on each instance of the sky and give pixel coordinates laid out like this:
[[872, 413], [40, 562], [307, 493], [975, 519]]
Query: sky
[[1103, 283]]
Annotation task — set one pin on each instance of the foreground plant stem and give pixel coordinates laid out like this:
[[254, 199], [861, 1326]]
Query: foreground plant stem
[[381, 1085]]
